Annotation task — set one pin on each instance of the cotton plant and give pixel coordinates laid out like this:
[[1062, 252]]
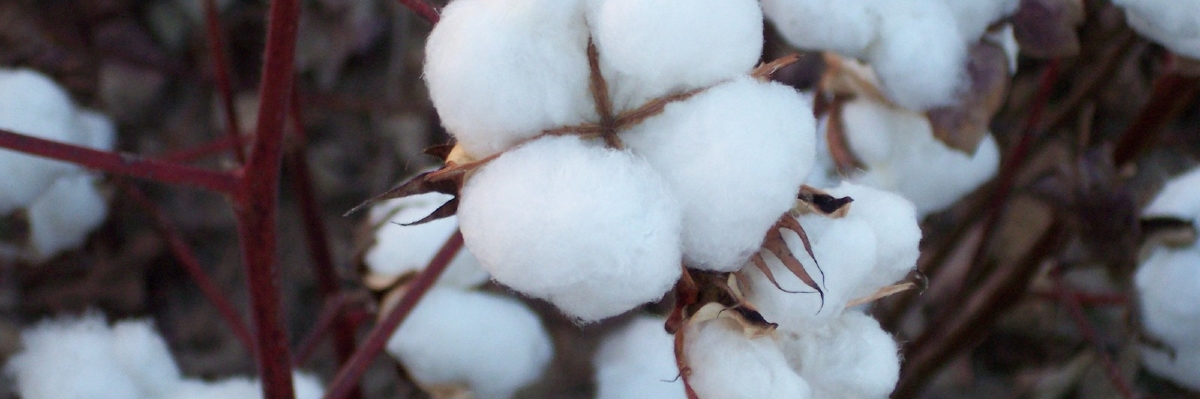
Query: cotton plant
[[1165, 283], [458, 339], [84, 358], [1173, 23], [63, 203]]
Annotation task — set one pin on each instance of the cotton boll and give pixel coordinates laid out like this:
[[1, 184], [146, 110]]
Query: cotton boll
[[727, 365], [1180, 197], [144, 356], [638, 361], [846, 26], [33, 105], [1173, 23], [921, 57], [649, 49], [501, 71], [70, 358], [492, 343], [402, 249], [95, 130], [307, 386], [735, 157], [974, 16], [63, 216], [594, 231], [304, 385], [851, 357], [893, 219], [1166, 284], [846, 251]]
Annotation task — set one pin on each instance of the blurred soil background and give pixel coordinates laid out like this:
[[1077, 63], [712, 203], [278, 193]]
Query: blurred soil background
[[367, 117]]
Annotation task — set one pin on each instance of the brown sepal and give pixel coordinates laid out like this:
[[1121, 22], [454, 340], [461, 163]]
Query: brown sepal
[[420, 184], [813, 200], [964, 125]]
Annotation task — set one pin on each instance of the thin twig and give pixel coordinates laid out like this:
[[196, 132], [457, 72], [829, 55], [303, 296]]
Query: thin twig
[[1172, 93], [221, 67], [347, 378], [187, 155], [1075, 309], [423, 9]]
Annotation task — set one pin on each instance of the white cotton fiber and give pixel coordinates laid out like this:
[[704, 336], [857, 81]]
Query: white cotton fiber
[[921, 61], [851, 357], [727, 365], [845, 26], [95, 130], [592, 230], [1172, 23], [649, 49], [70, 358], [491, 343], [846, 251], [501, 71], [638, 361], [403, 249], [1166, 284], [735, 157], [304, 385], [32, 104], [902, 156], [893, 219], [974, 16], [1179, 198], [144, 356], [64, 215]]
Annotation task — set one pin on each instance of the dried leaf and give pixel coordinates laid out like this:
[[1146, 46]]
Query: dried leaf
[[964, 125], [441, 151], [419, 184], [766, 270], [776, 245], [1047, 28], [448, 209], [883, 293]]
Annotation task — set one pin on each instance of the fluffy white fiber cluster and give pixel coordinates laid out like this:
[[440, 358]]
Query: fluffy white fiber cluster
[[1166, 283], [598, 231], [85, 358], [457, 336], [638, 361], [1173, 23], [918, 47], [819, 350], [64, 202]]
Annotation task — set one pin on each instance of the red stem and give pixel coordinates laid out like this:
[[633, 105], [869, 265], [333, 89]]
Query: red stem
[[221, 67], [121, 163], [423, 9], [318, 238], [183, 253], [329, 313], [347, 378], [1075, 309], [1172, 93], [193, 154], [257, 201]]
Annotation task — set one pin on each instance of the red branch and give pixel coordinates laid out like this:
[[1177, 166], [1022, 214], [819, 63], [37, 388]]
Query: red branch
[[257, 201], [330, 312], [1172, 93], [121, 163], [183, 253], [1075, 309], [221, 67], [196, 153], [423, 9], [347, 378]]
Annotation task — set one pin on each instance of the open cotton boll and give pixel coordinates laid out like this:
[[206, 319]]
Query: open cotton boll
[[1180, 198], [735, 157], [70, 358], [649, 49], [851, 357], [921, 56], [592, 230], [846, 251], [501, 71], [846, 26], [32, 104], [974, 16], [402, 249], [727, 365], [491, 343], [304, 385], [1172, 23], [638, 361], [95, 130], [1166, 284], [893, 219], [144, 356], [63, 216]]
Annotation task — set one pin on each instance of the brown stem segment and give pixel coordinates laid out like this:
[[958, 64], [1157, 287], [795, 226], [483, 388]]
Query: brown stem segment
[[352, 371], [257, 201]]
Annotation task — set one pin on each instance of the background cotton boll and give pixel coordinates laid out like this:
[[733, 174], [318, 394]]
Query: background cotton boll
[[592, 230], [735, 157], [851, 357], [846, 251], [1173, 23], [893, 219], [63, 216], [304, 385], [974, 16], [32, 104], [921, 56], [638, 361], [144, 356], [402, 249], [727, 365], [1180, 197], [70, 358], [96, 130], [492, 343], [1166, 284], [653, 48], [500, 71], [845, 27]]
